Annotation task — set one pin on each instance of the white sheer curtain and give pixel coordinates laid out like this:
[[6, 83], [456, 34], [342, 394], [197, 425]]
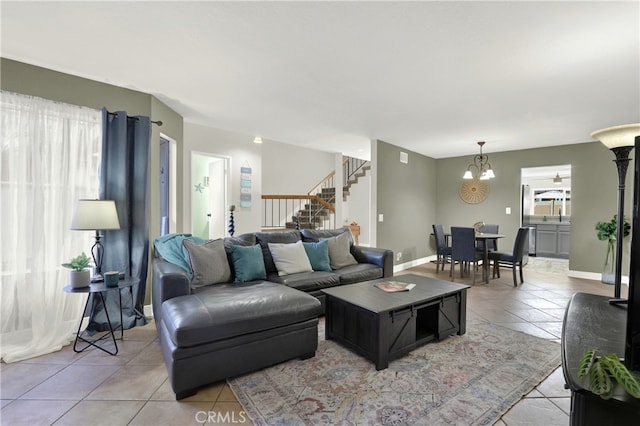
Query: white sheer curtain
[[50, 158]]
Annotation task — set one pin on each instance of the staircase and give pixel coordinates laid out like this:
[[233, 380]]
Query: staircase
[[316, 212], [316, 209]]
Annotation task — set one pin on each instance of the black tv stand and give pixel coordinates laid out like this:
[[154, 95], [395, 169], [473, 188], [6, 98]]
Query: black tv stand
[[592, 322]]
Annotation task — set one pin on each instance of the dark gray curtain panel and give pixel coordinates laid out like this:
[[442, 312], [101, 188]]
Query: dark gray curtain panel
[[124, 178]]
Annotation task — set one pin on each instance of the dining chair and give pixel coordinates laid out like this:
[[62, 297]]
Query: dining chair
[[443, 251], [492, 245], [511, 259], [463, 250]]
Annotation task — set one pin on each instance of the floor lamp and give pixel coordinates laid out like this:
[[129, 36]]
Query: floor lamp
[[96, 215], [620, 140]]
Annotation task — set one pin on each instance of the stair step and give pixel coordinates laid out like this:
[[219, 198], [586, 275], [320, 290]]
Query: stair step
[[353, 179]]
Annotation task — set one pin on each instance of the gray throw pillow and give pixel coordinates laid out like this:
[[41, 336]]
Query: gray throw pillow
[[339, 251], [208, 262], [290, 258]]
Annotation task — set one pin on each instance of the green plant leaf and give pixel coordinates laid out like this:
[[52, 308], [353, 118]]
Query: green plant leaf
[[586, 361], [78, 263], [608, 230], [599, 380], [619, 372]]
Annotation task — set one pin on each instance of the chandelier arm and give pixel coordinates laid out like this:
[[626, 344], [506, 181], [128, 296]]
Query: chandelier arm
[[480, 163]]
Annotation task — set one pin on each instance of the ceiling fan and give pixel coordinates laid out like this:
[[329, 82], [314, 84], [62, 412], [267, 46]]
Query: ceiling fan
[[558, 180]]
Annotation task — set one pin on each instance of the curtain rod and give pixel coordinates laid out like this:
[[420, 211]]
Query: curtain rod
[[159, 123]]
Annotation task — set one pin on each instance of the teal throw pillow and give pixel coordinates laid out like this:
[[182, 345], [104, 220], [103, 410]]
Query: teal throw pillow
[[318, 254], [248, 263]]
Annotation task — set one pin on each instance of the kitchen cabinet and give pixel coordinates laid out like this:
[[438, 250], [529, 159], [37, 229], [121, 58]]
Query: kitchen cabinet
[[552, 240]]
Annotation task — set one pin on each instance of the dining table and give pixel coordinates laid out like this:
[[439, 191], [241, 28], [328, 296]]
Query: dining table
[[484, 237]]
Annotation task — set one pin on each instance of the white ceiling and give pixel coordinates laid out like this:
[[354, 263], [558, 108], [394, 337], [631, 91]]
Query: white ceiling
[[432, 77]]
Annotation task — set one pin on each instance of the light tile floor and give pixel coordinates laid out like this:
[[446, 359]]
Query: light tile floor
[[94, 388]]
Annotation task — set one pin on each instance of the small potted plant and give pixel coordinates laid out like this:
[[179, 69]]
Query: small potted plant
[[80, 275], [607, 231]]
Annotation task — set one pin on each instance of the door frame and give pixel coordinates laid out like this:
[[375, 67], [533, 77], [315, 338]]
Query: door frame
[[194, 180], [173, 184]]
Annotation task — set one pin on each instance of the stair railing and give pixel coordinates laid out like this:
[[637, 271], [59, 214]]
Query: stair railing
[[351, 166], [326, 183], [292, 211]]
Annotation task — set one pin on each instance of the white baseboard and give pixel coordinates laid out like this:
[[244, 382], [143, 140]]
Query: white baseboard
[[417, 262], [596, 276], [585, 275]]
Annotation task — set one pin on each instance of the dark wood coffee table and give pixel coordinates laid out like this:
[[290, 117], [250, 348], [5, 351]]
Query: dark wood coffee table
[[384, 326]]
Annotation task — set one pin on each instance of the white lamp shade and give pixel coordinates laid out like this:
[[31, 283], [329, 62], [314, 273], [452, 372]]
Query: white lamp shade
[[467, 175], [489, 174], [617, 136], [94, 215]]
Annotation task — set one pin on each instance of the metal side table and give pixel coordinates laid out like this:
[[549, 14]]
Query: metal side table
[[100, 289]]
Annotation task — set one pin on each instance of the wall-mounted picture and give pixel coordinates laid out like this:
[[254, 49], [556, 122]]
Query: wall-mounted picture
[[245, 186]]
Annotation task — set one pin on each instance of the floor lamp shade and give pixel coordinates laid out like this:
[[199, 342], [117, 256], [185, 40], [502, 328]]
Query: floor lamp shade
[[618, 136], [95, 215]]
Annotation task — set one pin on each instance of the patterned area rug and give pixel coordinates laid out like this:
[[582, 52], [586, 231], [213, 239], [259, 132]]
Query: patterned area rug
[[463, 380]]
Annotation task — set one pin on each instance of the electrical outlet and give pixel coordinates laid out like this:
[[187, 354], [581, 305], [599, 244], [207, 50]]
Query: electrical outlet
[[399, 256], [380, 217], [507, 210]]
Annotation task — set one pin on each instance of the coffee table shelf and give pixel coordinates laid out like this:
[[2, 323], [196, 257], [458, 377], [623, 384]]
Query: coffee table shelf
[[385, 326]]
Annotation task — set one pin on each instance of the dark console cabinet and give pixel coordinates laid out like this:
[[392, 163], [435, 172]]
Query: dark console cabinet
[[591, 322]]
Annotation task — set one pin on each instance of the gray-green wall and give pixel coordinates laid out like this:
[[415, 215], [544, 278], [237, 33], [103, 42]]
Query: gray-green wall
[[594, 185], [31, 80], [425, 191], [406, 197]]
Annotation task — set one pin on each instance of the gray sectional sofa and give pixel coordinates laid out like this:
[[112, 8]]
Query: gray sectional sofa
[[243, 303]]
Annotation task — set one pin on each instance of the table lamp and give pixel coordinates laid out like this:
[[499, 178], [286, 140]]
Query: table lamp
[[96, 215]]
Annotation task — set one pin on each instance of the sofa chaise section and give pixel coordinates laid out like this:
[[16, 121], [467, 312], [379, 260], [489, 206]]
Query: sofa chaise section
[[209, 336]]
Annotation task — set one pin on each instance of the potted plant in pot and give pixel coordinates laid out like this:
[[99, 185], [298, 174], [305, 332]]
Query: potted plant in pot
[[607, 231], [80, 275]]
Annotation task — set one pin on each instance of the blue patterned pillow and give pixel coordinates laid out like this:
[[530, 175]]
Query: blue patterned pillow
[[248, 263], [318, 254]]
